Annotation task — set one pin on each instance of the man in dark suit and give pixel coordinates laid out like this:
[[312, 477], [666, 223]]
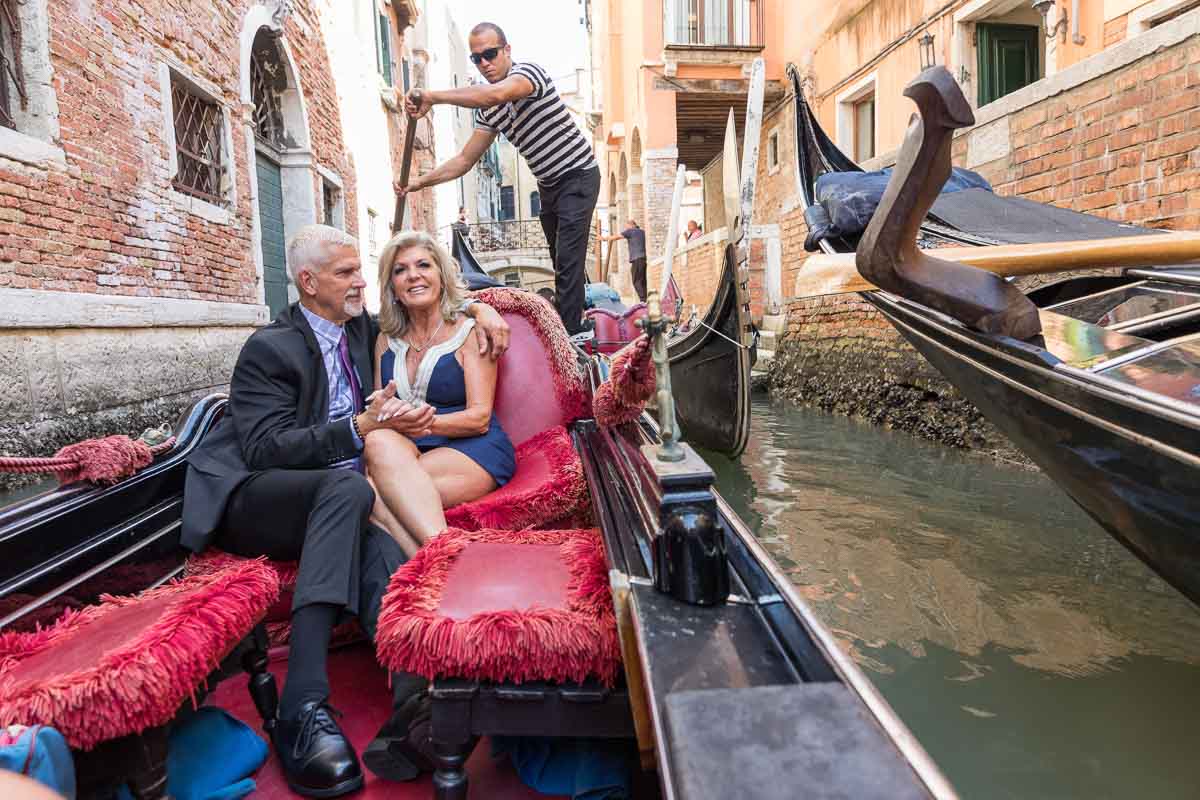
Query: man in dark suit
[[280, 475]]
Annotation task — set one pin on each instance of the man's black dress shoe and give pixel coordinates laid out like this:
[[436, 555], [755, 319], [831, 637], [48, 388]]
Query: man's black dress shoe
[[317, 759], [402, 749]]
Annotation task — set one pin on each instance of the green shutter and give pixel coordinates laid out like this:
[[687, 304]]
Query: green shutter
[[384, 53], [1007, 59]]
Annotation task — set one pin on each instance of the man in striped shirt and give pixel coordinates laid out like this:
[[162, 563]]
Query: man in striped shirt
[[519, 100]]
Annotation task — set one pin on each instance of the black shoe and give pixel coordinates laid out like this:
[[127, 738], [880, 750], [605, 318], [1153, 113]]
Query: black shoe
[[403, 749], [317, 760]]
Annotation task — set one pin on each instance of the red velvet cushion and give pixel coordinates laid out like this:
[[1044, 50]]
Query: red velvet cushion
[[539, 383], [547, 486], [214, 560], [125, 665], [503, 606]]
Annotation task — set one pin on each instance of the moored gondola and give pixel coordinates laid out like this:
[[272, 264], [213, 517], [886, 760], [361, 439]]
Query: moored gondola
[[729, 683], [1106, 399]]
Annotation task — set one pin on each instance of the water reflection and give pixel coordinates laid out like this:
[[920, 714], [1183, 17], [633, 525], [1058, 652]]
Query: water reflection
[[1031, 654]]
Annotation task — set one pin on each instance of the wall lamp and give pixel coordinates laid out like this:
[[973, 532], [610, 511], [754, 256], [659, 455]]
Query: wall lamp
[[1043, 7], [928, 56]]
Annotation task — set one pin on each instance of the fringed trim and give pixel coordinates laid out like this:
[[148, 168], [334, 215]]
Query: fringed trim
[[141, 684], [214, 560], [631, 383], [519, 646], [569, 382], [565, 492]]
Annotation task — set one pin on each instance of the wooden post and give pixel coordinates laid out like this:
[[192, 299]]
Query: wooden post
[[599, 247]]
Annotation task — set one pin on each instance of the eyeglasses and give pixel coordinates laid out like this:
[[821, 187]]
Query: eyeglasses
[[488, 55]]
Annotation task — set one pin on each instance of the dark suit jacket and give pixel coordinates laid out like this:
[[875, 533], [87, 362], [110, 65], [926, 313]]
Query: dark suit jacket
[[277, 418]]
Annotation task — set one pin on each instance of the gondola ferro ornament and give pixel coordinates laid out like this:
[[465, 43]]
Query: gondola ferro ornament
[[887, 254]]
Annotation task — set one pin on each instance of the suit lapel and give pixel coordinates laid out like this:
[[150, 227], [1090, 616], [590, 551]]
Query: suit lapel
[[359, 340], [318, 406]]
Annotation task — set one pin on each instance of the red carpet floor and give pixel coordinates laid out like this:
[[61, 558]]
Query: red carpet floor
[[360, 692]]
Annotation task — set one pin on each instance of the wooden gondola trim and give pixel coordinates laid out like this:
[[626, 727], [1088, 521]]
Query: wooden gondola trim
[[836, 273]]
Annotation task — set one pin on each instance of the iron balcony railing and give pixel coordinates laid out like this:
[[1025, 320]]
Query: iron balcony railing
[[714, 23], [511, 234]]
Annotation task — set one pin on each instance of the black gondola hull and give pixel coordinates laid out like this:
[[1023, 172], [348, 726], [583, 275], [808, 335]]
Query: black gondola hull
[[1130, 466], [710, 372]]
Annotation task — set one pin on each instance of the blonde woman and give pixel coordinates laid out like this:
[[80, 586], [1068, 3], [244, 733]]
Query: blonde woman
[[420, 355]]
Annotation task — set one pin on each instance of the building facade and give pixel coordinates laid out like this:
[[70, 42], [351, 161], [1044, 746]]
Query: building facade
[[153, 162]]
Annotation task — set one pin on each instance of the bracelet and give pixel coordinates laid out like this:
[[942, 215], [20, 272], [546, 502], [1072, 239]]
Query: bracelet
[[462, 309], [354, 424]]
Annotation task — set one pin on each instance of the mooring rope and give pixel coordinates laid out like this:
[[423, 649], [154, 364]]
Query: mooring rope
[[104, 460]]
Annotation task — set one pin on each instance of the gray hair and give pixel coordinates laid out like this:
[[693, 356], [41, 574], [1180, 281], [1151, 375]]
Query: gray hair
[[392, 319], [308, 248]]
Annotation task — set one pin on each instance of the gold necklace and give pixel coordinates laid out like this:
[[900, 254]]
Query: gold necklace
[[420, 348]]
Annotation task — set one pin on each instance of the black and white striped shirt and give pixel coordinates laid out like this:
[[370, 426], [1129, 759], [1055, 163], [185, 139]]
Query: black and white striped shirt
[[540, 127]]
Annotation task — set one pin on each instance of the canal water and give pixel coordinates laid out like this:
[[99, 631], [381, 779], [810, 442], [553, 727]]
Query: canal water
[[1031, 655]]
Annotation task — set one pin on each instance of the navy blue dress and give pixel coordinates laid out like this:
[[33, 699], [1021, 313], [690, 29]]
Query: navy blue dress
[[441, 383]]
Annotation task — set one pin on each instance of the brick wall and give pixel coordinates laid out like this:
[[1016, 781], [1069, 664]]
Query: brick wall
[[658, 186], [107, 223], [696, 268], [1125, 146]]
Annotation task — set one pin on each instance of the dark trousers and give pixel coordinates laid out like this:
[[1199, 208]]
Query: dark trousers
[[318, 517], [567, 208], [638, 266]]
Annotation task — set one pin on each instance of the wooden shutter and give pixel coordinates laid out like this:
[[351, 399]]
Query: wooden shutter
[[1007, 59]]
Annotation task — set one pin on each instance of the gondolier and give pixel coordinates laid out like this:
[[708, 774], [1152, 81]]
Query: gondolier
[[519, 100]]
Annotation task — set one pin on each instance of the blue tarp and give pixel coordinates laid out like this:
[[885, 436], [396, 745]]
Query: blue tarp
[[847, 200]]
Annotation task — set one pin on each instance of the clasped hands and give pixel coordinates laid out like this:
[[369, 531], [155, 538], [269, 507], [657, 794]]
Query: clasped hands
[[386, 410]]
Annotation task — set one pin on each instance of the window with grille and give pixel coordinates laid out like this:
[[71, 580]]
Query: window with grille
[[12, 78], [268, 80], [512, 279], [198, 143], [383, 52], [372, 232]]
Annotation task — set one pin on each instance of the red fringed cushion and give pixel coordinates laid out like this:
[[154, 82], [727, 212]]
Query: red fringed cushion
[[539, 383], [547, 485], [631, 382], [214, 560], [503, 606], [125, 665]]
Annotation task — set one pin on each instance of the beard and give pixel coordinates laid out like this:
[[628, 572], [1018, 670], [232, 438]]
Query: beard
[[353, 306]]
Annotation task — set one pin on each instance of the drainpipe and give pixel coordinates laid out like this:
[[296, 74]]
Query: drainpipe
[[1076, 36]]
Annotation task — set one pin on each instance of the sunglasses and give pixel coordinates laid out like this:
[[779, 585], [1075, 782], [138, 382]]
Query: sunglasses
[[488, 55]]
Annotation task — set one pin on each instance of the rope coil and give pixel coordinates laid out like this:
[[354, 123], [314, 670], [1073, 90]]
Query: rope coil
[[105, 460]]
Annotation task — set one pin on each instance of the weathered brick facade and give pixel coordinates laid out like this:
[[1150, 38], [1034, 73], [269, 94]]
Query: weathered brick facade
[[121, 297], [108, 224]]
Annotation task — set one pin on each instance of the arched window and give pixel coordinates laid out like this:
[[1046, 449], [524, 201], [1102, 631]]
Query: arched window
[[268, 81], [535, 203]]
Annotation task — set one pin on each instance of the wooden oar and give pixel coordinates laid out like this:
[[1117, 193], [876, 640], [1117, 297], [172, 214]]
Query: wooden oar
[[824, 274], [410, 134]]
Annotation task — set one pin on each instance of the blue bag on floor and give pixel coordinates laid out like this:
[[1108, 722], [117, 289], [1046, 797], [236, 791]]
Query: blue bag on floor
[[211, 756], [40, 753], [584, 769]]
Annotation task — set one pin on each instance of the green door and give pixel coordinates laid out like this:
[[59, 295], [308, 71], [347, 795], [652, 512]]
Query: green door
[[270, 222], [1008, 59]]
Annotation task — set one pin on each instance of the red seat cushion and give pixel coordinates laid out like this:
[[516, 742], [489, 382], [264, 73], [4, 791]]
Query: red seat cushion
[[503, 606], [125, 665], [539, 384], [614, 331], [548, 485]]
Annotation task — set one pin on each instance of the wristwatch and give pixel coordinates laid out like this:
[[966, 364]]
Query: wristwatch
[[462, 309]]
